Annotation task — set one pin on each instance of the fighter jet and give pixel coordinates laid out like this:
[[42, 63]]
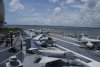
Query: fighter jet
[[44, 40], [50, 55], [88, 41]]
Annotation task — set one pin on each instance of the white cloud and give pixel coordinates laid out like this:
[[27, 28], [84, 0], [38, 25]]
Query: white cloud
[[15, 5], [70, 1], [31, 21], [36, 14], [32, 10], [89, 15], [57, 11], [53, 1], [83, 0], [78, 6], [62, 4], [91, 3], [36, 21], [97, 8]]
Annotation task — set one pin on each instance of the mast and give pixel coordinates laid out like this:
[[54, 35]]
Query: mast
[[2, 14]]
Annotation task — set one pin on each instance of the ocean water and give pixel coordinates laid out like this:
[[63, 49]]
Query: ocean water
[[92, 32]]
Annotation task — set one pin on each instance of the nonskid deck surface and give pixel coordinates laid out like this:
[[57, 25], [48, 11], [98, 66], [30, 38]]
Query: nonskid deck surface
[[30, 59], [62, 41], [69, 44]]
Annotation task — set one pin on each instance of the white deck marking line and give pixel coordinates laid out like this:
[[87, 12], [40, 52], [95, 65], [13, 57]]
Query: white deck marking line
[[67, 42], [91, 64]]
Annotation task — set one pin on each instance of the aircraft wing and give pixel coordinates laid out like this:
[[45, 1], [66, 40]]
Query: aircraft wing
[[94, 40], [37, 37], [48, 59], [91, 40], [44, 38]]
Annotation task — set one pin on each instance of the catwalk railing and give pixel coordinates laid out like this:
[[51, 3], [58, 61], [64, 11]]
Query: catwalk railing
[[5, 54]]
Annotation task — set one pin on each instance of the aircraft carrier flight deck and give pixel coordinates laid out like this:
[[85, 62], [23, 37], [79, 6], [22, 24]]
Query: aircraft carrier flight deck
[[47, 49]]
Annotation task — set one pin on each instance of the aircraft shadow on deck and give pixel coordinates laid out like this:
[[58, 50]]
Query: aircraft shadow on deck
[[61, 63]]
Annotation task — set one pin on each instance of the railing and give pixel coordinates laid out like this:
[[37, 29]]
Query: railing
[[5, 54]]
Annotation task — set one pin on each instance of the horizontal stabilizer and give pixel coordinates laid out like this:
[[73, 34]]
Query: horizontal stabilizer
[[32, 49], [48, 59]]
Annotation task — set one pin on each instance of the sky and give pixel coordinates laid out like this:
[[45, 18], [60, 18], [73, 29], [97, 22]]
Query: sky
[[82, 13]]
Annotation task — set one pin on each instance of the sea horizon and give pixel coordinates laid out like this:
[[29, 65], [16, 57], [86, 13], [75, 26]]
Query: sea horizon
[[51, 26]]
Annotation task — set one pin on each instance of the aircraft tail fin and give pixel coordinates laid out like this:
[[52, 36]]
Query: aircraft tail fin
[[79, 37], [98, 37]]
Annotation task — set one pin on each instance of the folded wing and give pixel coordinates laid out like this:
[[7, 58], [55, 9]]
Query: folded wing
[[38, 37]]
